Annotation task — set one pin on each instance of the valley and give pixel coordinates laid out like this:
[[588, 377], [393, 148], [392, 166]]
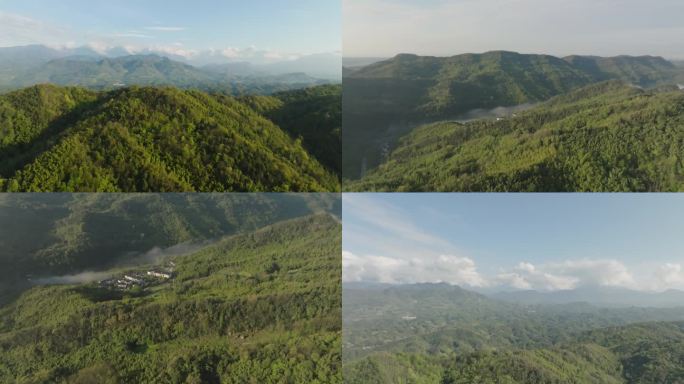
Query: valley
[[437, 333], [386, 103], [260, 300]]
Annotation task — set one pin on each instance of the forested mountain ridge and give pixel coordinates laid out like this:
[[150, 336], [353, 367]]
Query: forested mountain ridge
[[608, 136], [442, 334], [448, 86], [26, 66], [62, 234], [147, 139], [386, 100], [260, 307]]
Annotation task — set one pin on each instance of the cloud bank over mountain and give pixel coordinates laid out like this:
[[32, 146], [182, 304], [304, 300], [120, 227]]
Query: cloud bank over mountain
[[384, 242]]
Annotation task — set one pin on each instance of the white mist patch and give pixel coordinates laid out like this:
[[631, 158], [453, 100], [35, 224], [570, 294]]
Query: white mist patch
[[79, 278], [498, 112], [680, 86], [157, 255]]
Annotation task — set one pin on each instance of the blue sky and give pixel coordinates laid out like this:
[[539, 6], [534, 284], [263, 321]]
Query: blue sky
[[384, 28], [544, 241], [294, 26]]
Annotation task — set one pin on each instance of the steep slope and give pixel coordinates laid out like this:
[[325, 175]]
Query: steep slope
[[605, 137], [52, 234], [147, 139], [258, 307], [645, 71], [387, 99], [314, 114]]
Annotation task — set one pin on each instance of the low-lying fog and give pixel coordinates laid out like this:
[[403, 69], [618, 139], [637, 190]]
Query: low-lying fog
[[155, 255]]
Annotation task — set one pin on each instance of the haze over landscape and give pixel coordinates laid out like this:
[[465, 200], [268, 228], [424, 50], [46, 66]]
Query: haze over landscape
[[509, 242], [384, 28], [269, 34], [512, 288]]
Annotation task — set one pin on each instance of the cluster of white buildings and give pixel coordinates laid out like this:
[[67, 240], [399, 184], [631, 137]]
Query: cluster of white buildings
[[139, 279]]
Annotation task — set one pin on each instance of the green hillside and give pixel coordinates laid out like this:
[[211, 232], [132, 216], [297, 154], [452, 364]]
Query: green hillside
[[26, 66], [258, 307], [314, 114], [441, 334], [385, 100], [147, 139], [48, 234], [605, 137]]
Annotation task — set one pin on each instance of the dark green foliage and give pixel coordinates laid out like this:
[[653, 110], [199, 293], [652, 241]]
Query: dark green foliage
[[312, 114], [147, 139], [48, 234], [604, 137], [222, 319], [386, 100]]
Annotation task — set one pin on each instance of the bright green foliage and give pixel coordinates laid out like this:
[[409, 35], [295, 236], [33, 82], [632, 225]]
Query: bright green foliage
[[147, 139], [386, 100], [227, 317], [605, 137]]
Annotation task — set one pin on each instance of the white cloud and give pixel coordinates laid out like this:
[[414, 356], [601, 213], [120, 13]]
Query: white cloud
[[595, 272], [605, 27], [135, 35], [667, 276], [527, 276], [440, 269], [20, 30], [166, 29], [568, 274]]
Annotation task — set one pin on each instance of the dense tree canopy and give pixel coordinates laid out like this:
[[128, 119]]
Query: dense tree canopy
[[226, 317], [148, 139], [604, 137], [388, 99]]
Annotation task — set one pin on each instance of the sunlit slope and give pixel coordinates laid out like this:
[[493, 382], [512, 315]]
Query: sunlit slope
[[147, 139], [604, 137]]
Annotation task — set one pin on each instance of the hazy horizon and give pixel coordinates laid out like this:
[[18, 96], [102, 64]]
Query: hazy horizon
[[385, 28], [538, 242], [207, 30]]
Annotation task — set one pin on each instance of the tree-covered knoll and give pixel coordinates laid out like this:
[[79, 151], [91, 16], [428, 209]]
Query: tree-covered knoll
[[258, 307], [147, 139], [386, 100], [605, 137]]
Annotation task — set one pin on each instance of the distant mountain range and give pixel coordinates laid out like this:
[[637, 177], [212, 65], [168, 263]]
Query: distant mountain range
[[438, 333], [29, 65], [387, 99], [599, 296]]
